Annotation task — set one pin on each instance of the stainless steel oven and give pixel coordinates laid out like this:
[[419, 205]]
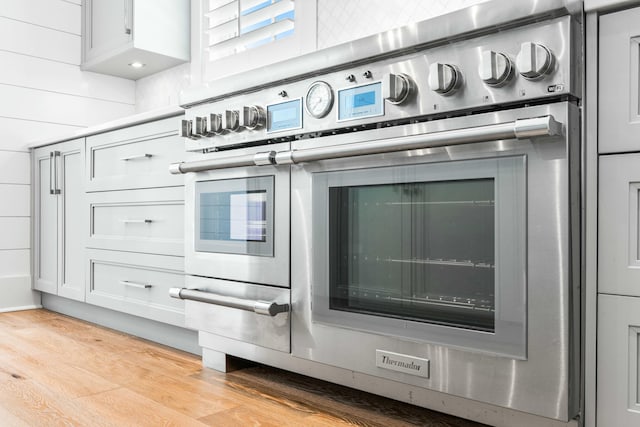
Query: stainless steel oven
[[406, 221]]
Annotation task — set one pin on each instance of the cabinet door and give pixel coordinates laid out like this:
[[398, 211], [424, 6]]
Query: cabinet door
[[618, 361], [108, 26], [72, 220], [619, 225], [45, 262], [619, 89]]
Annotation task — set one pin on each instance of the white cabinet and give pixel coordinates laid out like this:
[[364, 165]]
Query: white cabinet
[[117, 33], [135, 207], [619, 225], [618, 361], [619, 82], [59, 219]]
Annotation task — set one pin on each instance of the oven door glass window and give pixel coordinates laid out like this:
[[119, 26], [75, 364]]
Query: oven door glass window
[[235, 216], [425, 251], [422, 251]]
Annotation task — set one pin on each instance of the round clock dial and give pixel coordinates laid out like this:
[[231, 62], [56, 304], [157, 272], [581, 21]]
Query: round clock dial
[[319, 99]]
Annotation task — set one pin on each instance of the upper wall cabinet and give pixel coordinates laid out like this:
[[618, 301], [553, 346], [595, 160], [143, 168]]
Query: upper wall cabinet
[[134, 38]]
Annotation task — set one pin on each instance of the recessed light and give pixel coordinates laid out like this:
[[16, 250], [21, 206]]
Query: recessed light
[[137, 64]]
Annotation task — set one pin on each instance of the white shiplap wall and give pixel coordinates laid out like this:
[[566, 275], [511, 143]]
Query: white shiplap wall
[[43, 94]]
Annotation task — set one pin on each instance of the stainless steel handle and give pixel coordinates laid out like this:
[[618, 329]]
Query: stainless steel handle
[[135, 284], [51, 172], [137, 221], [127, 9], [139, 156], [264, 308], [519, 129], [56, 188], [259, 159]]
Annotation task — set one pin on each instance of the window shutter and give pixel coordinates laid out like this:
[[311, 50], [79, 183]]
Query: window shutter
[[232, 27]]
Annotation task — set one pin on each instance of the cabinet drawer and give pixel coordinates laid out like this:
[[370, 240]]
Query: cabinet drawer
[[137, 284], [618, 361], [619, 225], [135, 157], [150, 220]]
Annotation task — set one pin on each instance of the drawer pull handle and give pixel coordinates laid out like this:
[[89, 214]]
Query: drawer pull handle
[[139, 156], [135, 285], [137, 221], [265, 308]]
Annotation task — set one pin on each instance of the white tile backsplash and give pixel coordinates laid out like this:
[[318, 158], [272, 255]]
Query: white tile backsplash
[[162, 89], [341, 21]]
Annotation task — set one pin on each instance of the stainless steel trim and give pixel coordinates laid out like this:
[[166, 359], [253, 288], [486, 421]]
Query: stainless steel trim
[[259, 307], [137, 221], [519, 129], [139, 156], [135, 284]]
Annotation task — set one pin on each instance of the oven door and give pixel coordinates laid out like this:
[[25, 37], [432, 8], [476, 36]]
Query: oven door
[[452, 268], [238, 223]]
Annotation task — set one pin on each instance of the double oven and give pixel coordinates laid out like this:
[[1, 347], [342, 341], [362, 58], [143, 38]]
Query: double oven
[[410, 217]]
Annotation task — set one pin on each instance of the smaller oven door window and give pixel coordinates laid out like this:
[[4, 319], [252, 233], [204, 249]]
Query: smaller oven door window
[[435, 252], [235, 216]]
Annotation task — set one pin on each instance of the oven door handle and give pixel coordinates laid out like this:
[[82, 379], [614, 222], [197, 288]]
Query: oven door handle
[[259, 159], [265, 308], [518, 129]]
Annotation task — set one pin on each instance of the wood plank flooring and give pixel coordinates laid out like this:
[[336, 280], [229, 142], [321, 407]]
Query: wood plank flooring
[[60, 371]]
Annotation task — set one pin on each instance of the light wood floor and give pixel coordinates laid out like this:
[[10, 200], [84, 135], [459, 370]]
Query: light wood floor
[[56, 370]]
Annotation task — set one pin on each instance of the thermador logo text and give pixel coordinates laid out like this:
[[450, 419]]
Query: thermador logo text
[[389, 361]]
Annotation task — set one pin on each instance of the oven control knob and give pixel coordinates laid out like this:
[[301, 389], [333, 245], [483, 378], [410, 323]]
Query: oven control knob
[[187, 130], [396, 88], [231, 120], [534, 60], [444, 79], [496, 69], [253, 117], [215, 124]]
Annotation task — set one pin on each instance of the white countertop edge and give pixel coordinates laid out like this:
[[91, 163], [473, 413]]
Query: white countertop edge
[[136, 119]]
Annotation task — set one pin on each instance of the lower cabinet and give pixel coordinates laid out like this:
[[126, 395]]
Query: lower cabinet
[[618, 361], [136, 283], [60, 219]]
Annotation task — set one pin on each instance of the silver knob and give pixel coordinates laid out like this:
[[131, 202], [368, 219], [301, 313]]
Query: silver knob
[[496, 68], [534, 60], [201, 126], [396, 87], [215, 124], [444, 79], [231, 120], [186, 130], [253, 117]]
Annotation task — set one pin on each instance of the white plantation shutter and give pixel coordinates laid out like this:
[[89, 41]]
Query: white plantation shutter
[[235, 26]]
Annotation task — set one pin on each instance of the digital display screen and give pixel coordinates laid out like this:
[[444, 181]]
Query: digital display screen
[[360, 102], [284, 116], [362, 99]]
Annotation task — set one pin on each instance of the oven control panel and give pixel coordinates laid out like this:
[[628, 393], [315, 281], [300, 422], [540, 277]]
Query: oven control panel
[[512, 66]]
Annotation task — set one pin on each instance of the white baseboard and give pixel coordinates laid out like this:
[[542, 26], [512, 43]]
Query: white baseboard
[[16, 294]]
